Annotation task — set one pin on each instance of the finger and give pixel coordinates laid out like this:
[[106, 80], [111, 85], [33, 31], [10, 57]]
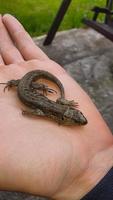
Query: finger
[[1, 60], [22, 39], [8, 50]]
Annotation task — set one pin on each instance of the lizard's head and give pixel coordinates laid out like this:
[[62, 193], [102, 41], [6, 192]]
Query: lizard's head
[[73, 117]]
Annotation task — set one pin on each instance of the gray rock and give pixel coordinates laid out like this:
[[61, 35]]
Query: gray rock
[[88, 58]]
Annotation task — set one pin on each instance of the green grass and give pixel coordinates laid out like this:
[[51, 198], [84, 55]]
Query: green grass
[[37, 15]]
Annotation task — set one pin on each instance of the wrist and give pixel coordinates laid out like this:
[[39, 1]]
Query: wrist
[[97, 168]]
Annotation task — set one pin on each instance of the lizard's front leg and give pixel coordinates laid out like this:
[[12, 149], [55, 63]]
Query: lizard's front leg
[[36, 112], [70, 103]]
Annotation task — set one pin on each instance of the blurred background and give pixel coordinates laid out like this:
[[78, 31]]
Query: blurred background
[[37, 15]]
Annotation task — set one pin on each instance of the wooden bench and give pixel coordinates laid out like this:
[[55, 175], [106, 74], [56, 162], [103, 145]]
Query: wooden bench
[[57, 21], [105, 27]]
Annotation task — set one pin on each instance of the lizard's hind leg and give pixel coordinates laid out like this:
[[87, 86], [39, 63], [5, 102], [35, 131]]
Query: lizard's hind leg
[[10, 84], [42, 87]]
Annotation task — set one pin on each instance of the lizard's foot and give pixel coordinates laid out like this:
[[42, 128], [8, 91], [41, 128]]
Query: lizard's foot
[[10, 84], [42, 87], [63, 101]]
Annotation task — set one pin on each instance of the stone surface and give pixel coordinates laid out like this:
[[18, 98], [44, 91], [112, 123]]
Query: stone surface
[[88, 58]]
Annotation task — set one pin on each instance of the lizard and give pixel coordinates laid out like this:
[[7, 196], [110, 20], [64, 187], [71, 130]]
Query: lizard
[[63, 111]]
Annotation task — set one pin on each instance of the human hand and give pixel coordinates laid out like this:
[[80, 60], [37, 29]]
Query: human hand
[[37, 155]]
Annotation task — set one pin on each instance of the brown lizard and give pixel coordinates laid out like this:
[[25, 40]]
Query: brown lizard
[[63, 111]]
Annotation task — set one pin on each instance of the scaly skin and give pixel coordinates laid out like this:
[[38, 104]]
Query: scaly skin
[[62, 111]]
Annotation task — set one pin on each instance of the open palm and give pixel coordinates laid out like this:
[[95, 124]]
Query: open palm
[[37, 155]]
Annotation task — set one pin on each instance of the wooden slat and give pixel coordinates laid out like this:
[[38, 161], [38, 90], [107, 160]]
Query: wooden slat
[[104, 29]]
